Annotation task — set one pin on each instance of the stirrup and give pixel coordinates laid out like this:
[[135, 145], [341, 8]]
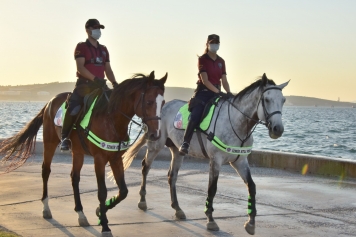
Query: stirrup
[[183, 150], [65, 145]]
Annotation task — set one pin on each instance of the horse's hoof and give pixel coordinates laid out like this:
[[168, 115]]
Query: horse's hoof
[[106, 234], [82, 219], [83, 222], [180, 215], [212, 226], [47, 214], [142, 206], [97, 212], [249, 228]]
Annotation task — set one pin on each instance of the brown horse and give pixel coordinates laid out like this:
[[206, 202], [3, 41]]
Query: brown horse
[[140, 95]]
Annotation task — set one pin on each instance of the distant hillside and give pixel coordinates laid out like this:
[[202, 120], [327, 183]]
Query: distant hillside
[[310, 101], [34, 92]]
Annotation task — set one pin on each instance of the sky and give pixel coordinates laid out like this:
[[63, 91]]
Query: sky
[[311, 42]]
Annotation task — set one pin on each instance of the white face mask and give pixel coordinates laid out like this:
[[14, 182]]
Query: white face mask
[[213, 47], [96, 33]]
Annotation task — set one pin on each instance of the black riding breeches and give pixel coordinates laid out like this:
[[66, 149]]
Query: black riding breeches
[[198, 109], [82, 88]]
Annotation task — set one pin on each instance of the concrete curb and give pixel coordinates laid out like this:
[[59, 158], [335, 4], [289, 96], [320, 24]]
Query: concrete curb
[[306, 164]]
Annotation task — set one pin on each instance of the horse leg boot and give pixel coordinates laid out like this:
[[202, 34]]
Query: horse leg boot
[[176, 163], [242, 168], [183, 150], [251, 206], [213, 182]]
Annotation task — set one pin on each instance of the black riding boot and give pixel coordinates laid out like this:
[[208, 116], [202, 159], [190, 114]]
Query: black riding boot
[[183, 150], [66, 128]]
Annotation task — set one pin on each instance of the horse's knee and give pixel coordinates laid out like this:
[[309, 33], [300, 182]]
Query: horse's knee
[[251, 187], [171, 178], [123, 194], [46, 170], [75, 178]]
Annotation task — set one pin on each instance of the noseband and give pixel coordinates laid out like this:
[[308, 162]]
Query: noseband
[[145, 118]]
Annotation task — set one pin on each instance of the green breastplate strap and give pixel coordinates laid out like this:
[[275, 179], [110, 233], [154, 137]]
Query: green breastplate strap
[[229, 149], [108, 146]]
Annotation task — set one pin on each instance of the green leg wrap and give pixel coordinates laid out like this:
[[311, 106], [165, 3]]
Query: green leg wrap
[[251, 206], [110, 203], [208, 205]]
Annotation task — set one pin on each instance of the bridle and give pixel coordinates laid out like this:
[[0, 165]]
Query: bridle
[[268, 115], [267, 123], [145, 118]]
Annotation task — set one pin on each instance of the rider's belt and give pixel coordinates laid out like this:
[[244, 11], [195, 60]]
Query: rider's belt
[[202, 87], [82, 80]]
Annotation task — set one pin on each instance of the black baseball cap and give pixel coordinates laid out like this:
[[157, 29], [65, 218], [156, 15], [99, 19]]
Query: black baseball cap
[[213, 37], [93, 23]]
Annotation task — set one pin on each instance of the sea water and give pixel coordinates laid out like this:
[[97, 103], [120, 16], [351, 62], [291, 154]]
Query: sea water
[[307, 130]]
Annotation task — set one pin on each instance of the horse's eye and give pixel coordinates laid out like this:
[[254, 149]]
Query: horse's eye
[[266, 100], [284, 100], [149, 103]]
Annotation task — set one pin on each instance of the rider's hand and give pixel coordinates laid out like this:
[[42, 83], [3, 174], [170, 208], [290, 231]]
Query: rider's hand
[[114, 84], [223, 95], [99, 83]]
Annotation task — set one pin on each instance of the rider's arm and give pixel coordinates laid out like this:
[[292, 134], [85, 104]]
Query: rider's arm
[[207, 83], [109, 73], [225, 83], [82, 70]]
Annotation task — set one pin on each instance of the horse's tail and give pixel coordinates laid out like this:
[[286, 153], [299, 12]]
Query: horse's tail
[[132, 152], [17, 149]]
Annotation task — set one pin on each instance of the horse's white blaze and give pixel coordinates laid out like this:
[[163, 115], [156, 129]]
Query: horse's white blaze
[[159, 101]]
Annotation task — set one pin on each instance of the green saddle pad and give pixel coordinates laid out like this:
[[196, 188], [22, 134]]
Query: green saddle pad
[[108, 146], [182, 117]]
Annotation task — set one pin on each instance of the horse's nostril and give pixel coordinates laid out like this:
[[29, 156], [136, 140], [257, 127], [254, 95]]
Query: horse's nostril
[[278, 129]]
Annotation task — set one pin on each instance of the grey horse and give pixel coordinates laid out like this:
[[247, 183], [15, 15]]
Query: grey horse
[[233, 123]]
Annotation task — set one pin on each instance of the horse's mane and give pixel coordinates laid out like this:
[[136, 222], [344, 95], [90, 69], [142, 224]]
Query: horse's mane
[[122, 93], [257, 84]]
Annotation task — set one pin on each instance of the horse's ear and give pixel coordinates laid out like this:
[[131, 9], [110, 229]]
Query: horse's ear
[[151, 77], [283, 85], [164, 79], [264, 79]]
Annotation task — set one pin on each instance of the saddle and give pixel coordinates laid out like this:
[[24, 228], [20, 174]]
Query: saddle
[[91, 101], [88, 100], [182, 117]]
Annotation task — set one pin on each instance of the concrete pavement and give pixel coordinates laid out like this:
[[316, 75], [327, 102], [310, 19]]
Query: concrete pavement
[[288, 203]]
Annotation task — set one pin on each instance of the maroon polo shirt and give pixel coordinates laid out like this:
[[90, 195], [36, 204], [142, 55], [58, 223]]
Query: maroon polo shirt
[[214, 69], [95, 58]]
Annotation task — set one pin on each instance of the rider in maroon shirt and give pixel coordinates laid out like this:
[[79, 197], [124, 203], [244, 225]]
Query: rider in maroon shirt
[[212, 72], [95, 58], [93, 63]]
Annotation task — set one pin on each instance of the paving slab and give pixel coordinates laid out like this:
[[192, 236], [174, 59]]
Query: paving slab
[[288, 204]]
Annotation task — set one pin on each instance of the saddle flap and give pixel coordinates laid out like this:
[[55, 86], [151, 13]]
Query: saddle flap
[[89, 99]]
